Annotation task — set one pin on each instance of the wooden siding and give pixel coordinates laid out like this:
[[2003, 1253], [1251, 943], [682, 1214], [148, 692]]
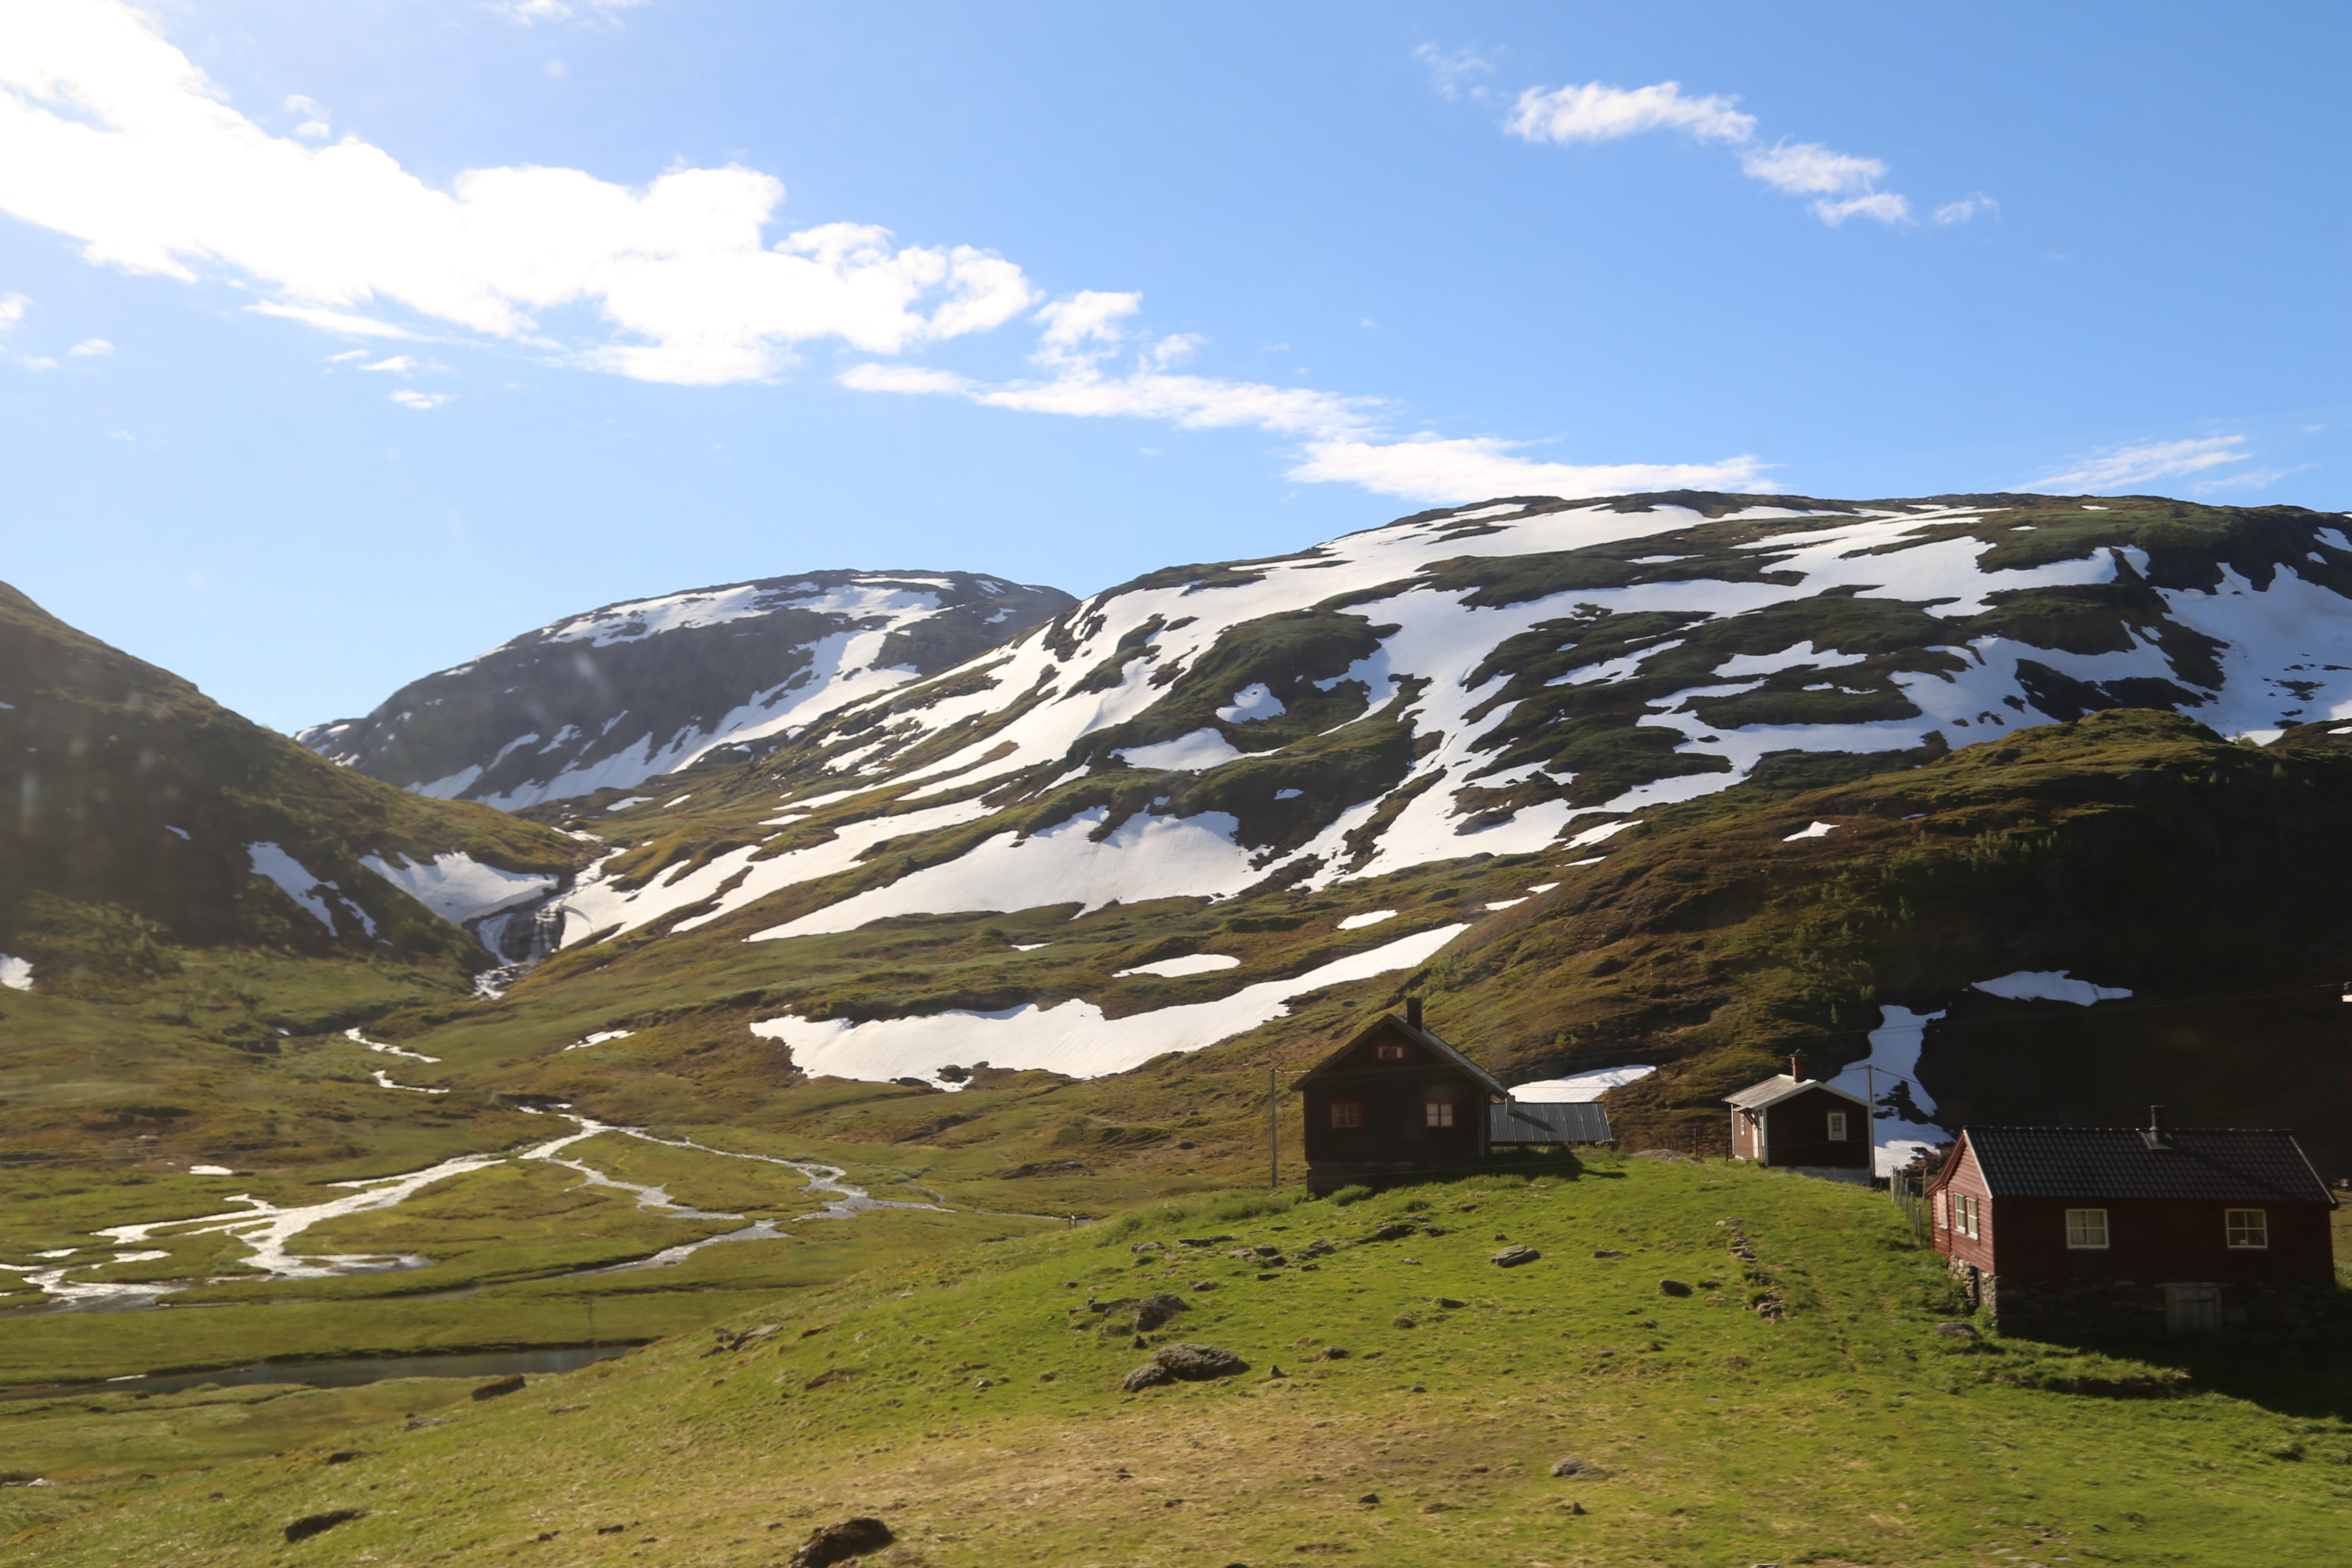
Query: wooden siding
[[1392, 1126], [1796, 1130]]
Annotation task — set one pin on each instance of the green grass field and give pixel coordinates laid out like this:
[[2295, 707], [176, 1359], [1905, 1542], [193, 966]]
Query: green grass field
[[970, 1398]]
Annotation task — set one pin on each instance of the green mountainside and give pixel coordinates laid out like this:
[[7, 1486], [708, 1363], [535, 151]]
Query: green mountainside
[[165, 971]]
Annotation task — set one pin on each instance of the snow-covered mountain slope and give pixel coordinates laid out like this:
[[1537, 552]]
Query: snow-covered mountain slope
[[626, 693], [1500, 679]]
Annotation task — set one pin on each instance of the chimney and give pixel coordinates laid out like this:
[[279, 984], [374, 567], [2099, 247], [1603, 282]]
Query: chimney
[[1797, 1065], [2154, 1137], [1412, 1011]]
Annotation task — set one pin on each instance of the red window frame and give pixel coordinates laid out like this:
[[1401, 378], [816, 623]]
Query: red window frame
[[1346, 1115], [1389, 1053]]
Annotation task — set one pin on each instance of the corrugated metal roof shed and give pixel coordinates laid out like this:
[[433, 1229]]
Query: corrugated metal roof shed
[[1564, 1122], [2226, 1164]]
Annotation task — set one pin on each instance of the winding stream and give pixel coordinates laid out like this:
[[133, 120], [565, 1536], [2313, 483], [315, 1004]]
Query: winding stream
[[268, 1231]]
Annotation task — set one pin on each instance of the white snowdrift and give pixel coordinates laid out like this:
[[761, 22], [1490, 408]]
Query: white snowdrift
[[16, 974], [1073, 1037], [1176, 968], [297, 883], [457, 887], [2050, 985], [1583, 1087]]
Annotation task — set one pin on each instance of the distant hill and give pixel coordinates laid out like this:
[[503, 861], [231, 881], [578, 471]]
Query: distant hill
[[628, 692]]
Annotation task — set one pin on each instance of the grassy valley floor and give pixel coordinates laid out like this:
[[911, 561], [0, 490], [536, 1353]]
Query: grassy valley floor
[[1423, 1396]]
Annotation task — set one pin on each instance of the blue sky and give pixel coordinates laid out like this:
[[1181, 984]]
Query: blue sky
[[340, 344]]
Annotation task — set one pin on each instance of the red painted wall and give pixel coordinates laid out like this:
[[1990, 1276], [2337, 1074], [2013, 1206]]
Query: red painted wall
[[2148, 1238]]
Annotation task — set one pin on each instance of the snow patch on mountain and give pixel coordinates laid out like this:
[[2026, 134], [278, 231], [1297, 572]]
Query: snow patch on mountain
[[2050, 985], [457, 887], [1580, 1087], [16, 974], [1073, 1037], [293, 880], [1177, 968]]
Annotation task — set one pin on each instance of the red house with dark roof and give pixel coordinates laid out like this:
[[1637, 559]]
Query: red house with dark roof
[[2119, 1231]]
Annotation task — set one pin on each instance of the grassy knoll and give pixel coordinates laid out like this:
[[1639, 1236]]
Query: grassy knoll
[[970, 1399]]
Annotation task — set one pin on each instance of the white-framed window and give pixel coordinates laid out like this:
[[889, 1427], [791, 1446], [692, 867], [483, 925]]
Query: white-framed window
[[1346, 1114], [1943, 1211], [1965, 1217], [1437, 1113], [1837, 1126], [1388, 1053], [2249, 1229], [2086, 1230]]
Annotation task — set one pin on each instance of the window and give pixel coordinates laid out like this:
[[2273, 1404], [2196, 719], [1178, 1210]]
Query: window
[[1437, 1113], [1346, 1113], [1837, 1126], [1388, 1053], [1964, 1217], [2086, 1230], [2248, 1227], [1943, 1211]]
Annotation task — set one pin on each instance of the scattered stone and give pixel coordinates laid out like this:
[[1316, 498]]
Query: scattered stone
[[1195, 1364], [1512, 1257], [1953, 1331], [418, 1423], [1573, 1507], [1449, 1302], [1150, 1374], [343, 1456], [1274, 1372], [617, 1529], [1575, 1469], [1417, 1388], [828, 1377], [1605, 1252], [1672, 1287], [1434, 1505], [1205, 1284], [1334, 1353], [500, 1387], [1319, 1247], [1201, 1240], [566, 1409], [311, 1524], [1396, 1232], [1276, 1274], [1146, 1247], [831, 1543], [725, 1339], [1154, 1310]]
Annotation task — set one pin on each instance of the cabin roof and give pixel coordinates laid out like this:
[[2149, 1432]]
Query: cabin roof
[[1420, 1036], [1547, 1121], [1781, 1086], [2212, 1164]]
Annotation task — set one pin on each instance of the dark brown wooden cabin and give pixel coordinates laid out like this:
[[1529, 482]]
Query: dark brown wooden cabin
[[1794, 1120], [1395, 1100], [2131, 1232]]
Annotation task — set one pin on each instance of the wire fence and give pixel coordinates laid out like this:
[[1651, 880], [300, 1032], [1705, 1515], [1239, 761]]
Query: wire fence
[[1910, 1191]]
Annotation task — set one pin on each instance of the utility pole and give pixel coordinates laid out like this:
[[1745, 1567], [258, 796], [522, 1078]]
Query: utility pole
[[1870, 1090], [1273, 1141]]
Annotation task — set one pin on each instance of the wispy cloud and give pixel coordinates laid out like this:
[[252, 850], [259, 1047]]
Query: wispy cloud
[[529, 11], [12, 310], [1599, 112], [1342, 440], [399, 364], [1453, 72], [2121, 467], [2254, 480], [1965, 210], [91, 348], [1846, 186], [421, 400], [111, 135]]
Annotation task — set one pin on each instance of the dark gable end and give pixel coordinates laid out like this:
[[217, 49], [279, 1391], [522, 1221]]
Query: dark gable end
[[1359, 1054], [2228, 1164]]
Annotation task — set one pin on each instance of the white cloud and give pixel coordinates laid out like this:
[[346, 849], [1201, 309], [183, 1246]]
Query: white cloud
[[36, 362], [1430, 469], [2254, 480], [1808, 168], [91, 348], [1599, 112], [12, 310], [408, 399], [347, 354], [1449, 69], [314, 129], [1340, 437], [111, 135], [398, 364], [1883, 205], [529, 11], [1596, 111], [2125, 467], [1965, 209]]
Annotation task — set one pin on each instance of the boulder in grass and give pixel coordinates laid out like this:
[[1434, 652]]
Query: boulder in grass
[[1154, 1310], [1513, 1256], [1183, 1363], [851, 1538], [1672, 1287], [1150, 1374], [1575, 1469], [1953, 1331], [311, 1524], [500, 1386]]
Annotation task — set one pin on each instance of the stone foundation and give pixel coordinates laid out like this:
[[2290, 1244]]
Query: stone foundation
[[2250, 1311]]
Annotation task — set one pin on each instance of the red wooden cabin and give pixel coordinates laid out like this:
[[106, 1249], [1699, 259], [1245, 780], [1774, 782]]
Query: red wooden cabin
[[2115, 1232]]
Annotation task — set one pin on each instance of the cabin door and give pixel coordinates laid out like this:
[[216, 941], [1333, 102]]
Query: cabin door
[[2192, 1309]]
